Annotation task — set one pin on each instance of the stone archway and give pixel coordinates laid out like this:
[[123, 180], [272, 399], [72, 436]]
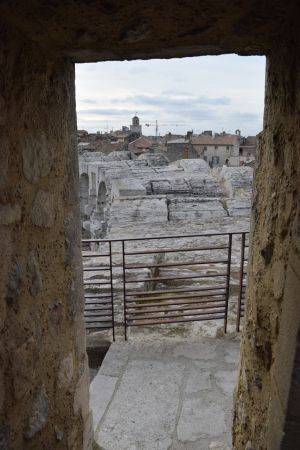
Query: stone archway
[[83, 192], [101, 198]]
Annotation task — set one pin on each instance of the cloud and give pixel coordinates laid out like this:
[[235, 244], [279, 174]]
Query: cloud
[[106, 112], [169, 102], [224, 92], [89, 101]]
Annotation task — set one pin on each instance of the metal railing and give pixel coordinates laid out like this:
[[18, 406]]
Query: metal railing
[[99, 306], [196, 302], [187, 280], [243, 279]]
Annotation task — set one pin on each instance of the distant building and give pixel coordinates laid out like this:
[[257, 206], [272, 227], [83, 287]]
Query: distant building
[[180, 149], [135, 127], [139, 146], [223, 148], [219, 149], [247, 151]]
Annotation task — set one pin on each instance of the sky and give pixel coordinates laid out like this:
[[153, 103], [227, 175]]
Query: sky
[[219, 93]]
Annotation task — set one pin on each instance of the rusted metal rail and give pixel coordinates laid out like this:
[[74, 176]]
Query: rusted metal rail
[[196, 302], [243, 280], [99, 306], [153, 293]]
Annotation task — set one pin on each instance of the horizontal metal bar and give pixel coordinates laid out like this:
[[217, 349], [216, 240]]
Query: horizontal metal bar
[[174, 297], [175, 302], [97, 309], [97, 314], [164, 237], [99, 320], [181, 320], [95, 255], [169, 291], [96, 296], [98, 302], [171, 250], [95, 282], [95, 269], [176, 278], [185, 307], [173, 264], [98, 327], [221, 310]]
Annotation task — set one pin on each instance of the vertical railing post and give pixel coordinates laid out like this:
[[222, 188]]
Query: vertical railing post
[[238, 319], [228, 280], [111, 290], [124, 288]]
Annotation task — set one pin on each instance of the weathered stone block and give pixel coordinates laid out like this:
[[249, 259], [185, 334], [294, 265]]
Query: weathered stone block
[[43, 210], [55, 317], [66, 372], [16, 276], [4, 155], [10, 214], [23, 360], [36, 276], [81, 396], [37, 156], [39, 413]]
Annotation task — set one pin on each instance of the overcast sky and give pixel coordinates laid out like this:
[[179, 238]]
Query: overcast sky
[[202, 93]]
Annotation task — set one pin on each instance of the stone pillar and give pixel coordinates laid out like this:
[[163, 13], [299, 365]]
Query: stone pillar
[[43, 367], [273, 312]]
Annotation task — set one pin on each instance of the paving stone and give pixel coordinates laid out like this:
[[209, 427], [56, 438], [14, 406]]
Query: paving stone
[[226, 380], [198, 380], [200, 350], [166, 397], [115, 359], [101, 392], [201, 417], [232, 354], [143, 411]]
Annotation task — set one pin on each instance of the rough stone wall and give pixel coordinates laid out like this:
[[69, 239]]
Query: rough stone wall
[[117, 30], [43, 370], [176, 151], [273, 316]]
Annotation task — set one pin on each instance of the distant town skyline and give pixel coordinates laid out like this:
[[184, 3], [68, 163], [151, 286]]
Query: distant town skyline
[[219, 93]]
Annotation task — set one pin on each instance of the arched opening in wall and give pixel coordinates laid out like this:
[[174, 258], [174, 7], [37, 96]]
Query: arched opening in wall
[[83, 192], [180, 212], [93, 191], [101, 198]]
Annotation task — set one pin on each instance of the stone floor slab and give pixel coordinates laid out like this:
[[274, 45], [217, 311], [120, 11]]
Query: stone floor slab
[[143, 412], [202, 418], [170, 394], [101, 392]]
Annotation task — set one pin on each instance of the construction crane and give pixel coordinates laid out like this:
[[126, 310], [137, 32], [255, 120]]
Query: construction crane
[[176, 124]]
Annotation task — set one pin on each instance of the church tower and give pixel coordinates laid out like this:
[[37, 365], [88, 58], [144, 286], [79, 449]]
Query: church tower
[[135, 127]]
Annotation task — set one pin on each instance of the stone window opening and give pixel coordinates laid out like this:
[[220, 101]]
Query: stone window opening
[[43, 371]]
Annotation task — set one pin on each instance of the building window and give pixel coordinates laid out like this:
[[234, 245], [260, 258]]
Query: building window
[[227, 148], [216, 147], [205, 148]]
